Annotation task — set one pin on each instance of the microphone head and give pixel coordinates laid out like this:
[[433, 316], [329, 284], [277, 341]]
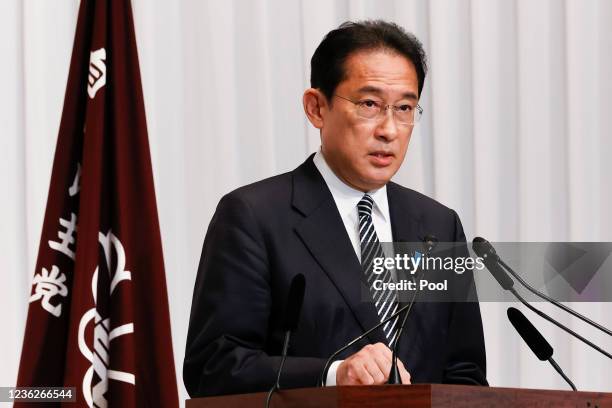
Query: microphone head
[[430, 242], [485, 250], [295, 300], [534, 339]]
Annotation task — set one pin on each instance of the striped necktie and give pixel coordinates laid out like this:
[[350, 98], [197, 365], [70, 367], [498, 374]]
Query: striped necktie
[[385, 301]]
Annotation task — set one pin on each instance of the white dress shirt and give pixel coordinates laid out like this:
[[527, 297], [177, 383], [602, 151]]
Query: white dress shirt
[[347, 198]]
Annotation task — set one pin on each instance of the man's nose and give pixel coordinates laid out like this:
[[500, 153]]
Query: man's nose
[[387, 128]]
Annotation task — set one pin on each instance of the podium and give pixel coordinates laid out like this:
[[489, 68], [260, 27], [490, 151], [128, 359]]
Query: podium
[[410, 396]]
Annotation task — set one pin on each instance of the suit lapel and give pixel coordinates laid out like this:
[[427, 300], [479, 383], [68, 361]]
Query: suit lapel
[[325, 236], [405, 224]]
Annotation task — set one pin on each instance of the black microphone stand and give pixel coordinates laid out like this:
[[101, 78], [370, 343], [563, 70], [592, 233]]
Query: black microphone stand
[[394, 375], [536, 342], [559, 325], [290, 323], [561, 373], [276, 386], [356, 340], [486, 250], [553, 301], [431, 242]]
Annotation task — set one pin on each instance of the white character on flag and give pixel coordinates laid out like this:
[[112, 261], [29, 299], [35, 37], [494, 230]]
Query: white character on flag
[[48, 285], [103, 334], [97, 72], [67, 238], [76, 184]]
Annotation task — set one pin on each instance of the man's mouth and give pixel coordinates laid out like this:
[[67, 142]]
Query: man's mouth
[[381, 158], [381, 154]]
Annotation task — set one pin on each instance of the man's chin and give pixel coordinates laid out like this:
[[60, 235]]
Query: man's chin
[[376, 182]]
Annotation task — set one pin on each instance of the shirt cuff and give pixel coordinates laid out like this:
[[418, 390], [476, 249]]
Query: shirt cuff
[[330, 381]]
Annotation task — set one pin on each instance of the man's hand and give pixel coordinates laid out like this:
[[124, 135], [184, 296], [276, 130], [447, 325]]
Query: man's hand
[[370, 365]]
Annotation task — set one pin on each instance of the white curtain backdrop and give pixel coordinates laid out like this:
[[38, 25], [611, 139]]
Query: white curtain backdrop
[[516, 136]]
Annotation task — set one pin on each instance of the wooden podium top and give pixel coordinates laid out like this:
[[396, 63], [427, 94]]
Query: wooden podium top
[[410, 396]]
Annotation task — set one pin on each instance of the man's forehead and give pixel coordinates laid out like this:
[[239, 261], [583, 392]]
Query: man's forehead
[[375, 71]]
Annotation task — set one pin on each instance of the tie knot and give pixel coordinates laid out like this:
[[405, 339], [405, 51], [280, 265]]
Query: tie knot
[[364, 207]]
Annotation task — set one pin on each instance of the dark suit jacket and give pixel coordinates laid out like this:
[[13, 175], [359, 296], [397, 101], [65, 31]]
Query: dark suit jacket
[[265, 233]]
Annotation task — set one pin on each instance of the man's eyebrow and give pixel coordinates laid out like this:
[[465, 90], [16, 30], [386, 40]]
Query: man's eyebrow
[[378, 91]]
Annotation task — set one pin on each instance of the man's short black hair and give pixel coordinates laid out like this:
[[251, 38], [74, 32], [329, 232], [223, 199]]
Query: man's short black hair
[[327, 63]]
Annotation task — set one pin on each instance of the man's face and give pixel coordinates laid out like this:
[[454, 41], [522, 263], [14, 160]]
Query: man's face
[[366, 153]]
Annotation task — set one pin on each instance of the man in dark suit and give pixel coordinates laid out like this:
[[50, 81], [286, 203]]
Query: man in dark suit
[[325, 219]]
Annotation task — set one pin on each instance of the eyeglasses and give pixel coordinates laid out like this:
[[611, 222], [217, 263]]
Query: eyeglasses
[[369, 109]]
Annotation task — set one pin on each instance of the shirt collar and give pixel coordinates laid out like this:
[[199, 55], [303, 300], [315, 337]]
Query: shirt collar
[[345, 196]]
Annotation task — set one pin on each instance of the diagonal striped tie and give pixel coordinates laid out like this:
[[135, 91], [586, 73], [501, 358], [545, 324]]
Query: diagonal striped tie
[[385, 301]]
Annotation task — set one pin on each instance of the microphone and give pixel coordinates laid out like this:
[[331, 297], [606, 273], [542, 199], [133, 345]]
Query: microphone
[[405, 308], [429, 242], [294, 303], [534, 339], [487, 249], [289, 323], [482, 247], [357, 339]]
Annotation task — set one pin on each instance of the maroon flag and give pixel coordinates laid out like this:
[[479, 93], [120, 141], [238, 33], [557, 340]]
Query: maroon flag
[[98, 314]]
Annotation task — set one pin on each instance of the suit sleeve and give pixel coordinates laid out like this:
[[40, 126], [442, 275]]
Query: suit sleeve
[[466, 357], [228, 349]]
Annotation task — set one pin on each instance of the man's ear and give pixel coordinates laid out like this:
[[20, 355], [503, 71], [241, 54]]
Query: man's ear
[[315, 105]]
